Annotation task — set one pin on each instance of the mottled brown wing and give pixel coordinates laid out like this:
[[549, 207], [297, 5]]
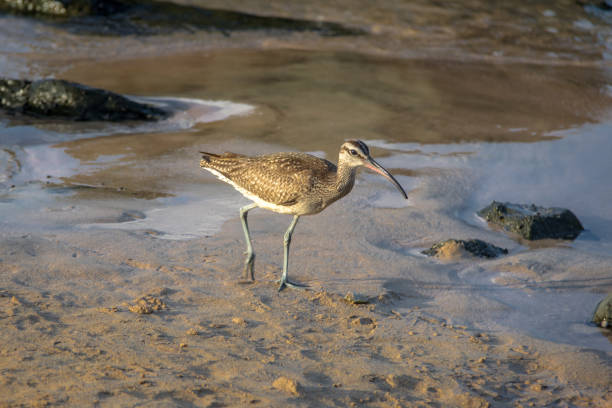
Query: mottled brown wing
[[281, 178]]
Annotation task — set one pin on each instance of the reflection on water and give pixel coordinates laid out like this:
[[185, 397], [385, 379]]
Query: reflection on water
[[546, 32], [40, 163], [315, 100], [184, 217]]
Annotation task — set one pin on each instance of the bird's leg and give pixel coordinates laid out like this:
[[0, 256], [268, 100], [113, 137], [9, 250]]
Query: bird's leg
[[284, 281], [249, 263]]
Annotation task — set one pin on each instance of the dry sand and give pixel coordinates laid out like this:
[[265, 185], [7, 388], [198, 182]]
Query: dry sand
[[115, 318]]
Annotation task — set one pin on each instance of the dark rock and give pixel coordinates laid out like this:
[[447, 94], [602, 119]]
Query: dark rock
[[13, 94], [605, 5], [603, 313], [64, 8], [146, 17], [63, 99], [46, 7], [475, 247], [532, 222], [54, 8]]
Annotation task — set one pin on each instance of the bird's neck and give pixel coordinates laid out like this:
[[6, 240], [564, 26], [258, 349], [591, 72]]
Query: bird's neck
[[345, 178]]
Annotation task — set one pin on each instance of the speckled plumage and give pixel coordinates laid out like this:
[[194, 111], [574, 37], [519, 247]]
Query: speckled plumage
[[290, 183]]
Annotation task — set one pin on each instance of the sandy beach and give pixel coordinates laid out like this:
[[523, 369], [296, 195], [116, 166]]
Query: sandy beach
[[121, 259]]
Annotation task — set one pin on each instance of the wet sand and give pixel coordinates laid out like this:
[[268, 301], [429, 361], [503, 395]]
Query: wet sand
[[120, 259]]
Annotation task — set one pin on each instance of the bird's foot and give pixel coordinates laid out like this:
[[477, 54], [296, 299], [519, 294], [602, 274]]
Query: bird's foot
[[249, 267], [245, 282], [287, 283]]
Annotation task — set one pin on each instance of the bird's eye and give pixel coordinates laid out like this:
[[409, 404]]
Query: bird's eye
[[353, 152]]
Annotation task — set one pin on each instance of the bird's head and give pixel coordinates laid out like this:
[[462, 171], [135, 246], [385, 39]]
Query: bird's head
[[355, 153]]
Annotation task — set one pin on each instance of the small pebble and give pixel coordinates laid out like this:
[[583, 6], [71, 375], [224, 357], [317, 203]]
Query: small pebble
[[536, 387], [363, 321]]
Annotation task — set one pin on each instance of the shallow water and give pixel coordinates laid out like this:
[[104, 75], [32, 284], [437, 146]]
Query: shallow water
[[571, 171], [409, 111], [458, 132]]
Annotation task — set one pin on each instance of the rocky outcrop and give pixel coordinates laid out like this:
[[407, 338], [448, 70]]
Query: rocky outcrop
[[455, 248], [532, 222], [121, 17], [603, 313], [56, 98], [62, 8]]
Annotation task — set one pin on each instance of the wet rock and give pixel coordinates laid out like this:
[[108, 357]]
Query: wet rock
[[62, 99], [605, 5], [532, 222], [288, 385], [34, 7], [121, 17], [603, 313], [62, 8], [455, 248]]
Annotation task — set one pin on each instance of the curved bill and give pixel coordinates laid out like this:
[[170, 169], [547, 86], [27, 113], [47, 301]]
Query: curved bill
[[372, 165]]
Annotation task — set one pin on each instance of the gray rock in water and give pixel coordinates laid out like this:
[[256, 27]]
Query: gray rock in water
[[532, 222], [475, 247], [62, 99], [603, 313]]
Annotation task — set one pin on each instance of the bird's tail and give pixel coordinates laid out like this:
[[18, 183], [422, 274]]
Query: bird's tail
[[206, 157]]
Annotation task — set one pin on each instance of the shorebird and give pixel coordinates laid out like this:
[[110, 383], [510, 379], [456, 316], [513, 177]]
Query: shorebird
[[291, 183]]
